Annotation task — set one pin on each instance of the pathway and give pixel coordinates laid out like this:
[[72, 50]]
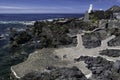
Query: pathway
[[36, 59]]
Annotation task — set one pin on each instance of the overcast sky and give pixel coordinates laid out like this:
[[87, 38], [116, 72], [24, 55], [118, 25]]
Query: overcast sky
[[53, 6]]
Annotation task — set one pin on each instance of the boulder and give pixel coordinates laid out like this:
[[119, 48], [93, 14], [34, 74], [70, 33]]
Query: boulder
[[116, 66], [57, 74], [110, 52], [114, 42], [90, 41]]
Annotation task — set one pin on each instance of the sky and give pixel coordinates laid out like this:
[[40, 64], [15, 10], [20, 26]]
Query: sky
[[53, 6]]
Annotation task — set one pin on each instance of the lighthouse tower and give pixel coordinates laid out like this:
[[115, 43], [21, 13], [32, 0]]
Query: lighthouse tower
[[86, 17], [90, 8]]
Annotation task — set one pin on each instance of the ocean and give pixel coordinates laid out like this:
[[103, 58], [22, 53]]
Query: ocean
[[14, 21], [35, 17]]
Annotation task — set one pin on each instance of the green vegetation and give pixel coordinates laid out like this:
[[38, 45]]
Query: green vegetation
[[98, 15], [93, 18]]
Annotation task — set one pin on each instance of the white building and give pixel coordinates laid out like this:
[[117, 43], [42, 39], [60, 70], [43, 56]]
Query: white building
[[86, 17], [90, 8]]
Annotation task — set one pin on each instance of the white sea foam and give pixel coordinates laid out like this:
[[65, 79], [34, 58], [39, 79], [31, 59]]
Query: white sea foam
[[24, 22], [15, 73], [30, 22], [18, 22]]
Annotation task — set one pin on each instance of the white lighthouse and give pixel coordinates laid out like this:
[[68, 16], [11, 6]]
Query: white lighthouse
[[90, 8], [86, 17]]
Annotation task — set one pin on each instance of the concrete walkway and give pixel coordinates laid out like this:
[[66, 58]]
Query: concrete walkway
[[36, 60], [79, 50]]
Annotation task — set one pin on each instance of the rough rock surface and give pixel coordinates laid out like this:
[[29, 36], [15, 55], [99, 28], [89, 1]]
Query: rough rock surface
[[114, 42], [114, 8], [90, 41], [38, 61], [101, 34], [57, 74], [101, 68], [110, 52]]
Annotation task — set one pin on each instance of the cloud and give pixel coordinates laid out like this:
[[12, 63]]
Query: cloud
[[9, 7], [42, 9]]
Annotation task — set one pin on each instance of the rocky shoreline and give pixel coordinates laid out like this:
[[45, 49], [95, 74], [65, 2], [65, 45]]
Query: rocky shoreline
[[92, 47]]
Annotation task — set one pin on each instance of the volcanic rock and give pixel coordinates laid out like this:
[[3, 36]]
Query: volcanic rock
[[114, 8], [101, 68], [114, 42], [110, 52], [91, 41], [57, 74]]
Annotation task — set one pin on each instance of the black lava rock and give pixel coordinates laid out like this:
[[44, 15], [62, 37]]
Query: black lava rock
[[114, 42], [116, 66], [110, 52], [101, 68], [90, 41], [57, 74]]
